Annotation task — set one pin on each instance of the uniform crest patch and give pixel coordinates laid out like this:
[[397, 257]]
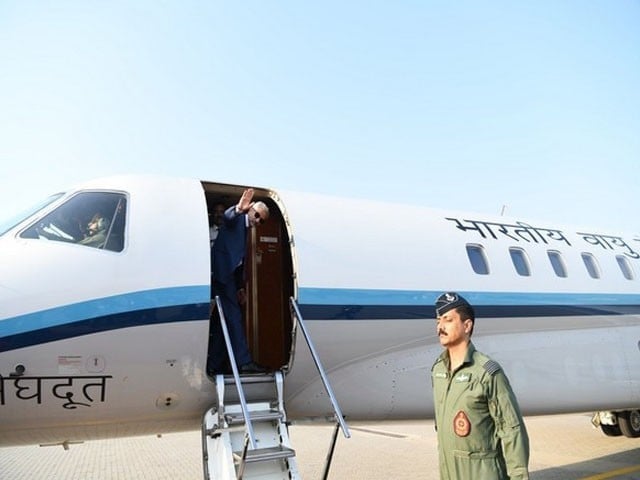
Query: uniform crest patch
[[461, 424]]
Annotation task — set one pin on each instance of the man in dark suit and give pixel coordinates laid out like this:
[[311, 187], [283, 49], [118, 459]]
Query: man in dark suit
[[228, 264]]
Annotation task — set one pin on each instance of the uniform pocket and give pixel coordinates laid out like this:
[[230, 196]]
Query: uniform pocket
[[477, 466]]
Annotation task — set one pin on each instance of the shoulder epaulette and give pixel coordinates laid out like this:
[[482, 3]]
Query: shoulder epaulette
[[491, 367], [438, 360]]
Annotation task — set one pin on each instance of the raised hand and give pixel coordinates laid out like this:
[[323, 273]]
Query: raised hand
[[244, 204]]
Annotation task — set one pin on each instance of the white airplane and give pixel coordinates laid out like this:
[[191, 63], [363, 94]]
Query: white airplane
[[110, 338]]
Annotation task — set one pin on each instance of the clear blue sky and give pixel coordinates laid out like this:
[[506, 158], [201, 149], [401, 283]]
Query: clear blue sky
[[466, 104]]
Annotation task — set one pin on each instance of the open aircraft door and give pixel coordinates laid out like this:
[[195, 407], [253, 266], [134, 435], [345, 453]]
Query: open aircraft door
[[269, 276]]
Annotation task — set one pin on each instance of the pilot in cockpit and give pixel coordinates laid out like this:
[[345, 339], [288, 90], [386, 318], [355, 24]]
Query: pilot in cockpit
[[96, 231]]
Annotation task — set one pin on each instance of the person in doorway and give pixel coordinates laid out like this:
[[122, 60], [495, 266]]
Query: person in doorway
[[216, 218], [481, 433], [228, 259]]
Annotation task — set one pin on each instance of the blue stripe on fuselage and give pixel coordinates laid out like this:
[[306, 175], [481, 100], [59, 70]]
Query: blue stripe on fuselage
[[151, 316], [413, 312], [164, 305], [171, 305], [105, 307], [352, 296], [354, 304]]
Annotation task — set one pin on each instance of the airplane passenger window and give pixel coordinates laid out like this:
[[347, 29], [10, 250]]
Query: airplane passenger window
[[625, 266], [91, 219], [591, 264], [520, 261], [478, 259], [557, 263]]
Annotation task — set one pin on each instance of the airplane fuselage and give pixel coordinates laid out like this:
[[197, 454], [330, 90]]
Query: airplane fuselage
[[113, 340]]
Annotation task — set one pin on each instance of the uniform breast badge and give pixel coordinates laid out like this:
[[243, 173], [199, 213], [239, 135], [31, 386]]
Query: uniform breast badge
[[461, 424]]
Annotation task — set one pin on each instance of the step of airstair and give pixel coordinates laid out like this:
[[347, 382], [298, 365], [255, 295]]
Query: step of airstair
[[228, 452], [246, 434], [255, 416], [263, 454]]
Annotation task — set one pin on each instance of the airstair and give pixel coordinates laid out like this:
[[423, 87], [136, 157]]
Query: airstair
[[245, 434]]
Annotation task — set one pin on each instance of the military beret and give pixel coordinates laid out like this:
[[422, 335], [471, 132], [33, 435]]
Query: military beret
[[448, 301]]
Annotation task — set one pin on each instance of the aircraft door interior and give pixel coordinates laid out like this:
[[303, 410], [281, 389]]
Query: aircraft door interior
[[267, 312]]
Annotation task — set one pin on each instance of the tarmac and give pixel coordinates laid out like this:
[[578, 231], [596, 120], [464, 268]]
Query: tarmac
[[563, 447]]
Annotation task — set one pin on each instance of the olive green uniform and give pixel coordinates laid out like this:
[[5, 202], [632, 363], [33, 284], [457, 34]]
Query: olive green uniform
[[481, 434]]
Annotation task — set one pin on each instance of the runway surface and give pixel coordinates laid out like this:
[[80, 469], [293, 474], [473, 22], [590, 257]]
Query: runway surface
[[563, 447]]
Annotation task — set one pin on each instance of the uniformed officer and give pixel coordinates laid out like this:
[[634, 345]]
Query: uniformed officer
[[481, 433]]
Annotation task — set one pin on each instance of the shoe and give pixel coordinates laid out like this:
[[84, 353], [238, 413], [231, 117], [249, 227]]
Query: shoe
[[223, 369], [253, 367]]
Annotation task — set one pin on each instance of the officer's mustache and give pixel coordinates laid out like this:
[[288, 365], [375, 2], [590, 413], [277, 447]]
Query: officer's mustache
[[442, 332]]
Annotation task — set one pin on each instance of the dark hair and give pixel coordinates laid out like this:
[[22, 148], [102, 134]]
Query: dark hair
[[467, 312]]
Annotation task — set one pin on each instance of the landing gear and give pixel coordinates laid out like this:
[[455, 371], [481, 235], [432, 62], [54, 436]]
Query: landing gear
[[629, 423], [614, 424], [611, 430]]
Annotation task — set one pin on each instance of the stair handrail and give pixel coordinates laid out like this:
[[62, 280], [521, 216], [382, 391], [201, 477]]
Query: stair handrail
[[236, 375], [336, 408]]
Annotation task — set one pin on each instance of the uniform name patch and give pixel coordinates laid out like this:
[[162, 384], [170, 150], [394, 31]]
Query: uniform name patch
[[461, 424], [441, 375]]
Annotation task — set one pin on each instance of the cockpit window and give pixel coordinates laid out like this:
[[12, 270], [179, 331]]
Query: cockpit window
[[91, 219], [8, 224]]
